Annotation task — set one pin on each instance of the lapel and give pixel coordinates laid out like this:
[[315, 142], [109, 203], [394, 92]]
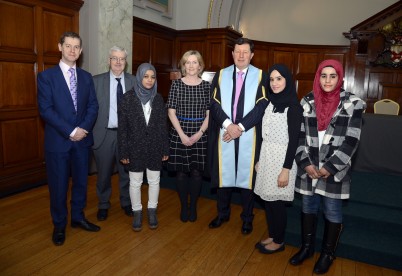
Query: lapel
[[81, 91], [106, 89], [128, 83]]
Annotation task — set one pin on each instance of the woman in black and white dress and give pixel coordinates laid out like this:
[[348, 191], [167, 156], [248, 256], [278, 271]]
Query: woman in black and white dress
[[276, 169], [188, 105]]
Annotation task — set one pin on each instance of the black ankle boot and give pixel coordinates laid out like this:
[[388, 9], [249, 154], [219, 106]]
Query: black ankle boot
[[309, 227], [331, 236]]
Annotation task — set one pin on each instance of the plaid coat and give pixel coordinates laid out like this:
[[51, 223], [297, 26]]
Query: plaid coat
[[339, 144]]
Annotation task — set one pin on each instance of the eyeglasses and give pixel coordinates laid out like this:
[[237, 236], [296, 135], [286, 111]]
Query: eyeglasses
[[116, 59]]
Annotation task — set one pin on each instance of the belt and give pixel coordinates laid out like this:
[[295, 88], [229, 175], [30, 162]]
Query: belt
[[190, 119], [112, 128]]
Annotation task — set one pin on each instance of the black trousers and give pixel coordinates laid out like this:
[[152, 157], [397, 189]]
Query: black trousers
[[247, 201], [275, 212]]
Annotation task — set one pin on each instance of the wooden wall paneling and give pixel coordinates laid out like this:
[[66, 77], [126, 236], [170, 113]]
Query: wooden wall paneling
[[391, 91], [17, 77], [341, 57], [284, 56], [54, 24], [303, 87], [190, 40], [16, 34], [261, 56], [358, 77], [162, 58], [398, 77], [217, 57], [373, 80], [141, 48], [219, 47], [20, 140], [162, 49], [29, 33], [155, 44], [307, 63]]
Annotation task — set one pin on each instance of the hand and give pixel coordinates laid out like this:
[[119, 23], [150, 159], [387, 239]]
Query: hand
[[312, 172], [185, 140], [256, 167], [234, 131], [195, 137], [283, 178], [79, 134], [324, 173], [125, 161], [226, 137], [165, 157]]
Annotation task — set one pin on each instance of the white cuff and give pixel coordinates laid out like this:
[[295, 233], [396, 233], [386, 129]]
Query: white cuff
[[226, 123]]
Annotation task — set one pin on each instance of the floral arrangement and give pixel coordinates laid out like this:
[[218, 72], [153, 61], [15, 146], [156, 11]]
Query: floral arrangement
[[391, 56]]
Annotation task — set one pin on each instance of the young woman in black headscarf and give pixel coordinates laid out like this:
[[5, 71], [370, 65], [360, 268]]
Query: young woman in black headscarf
[[276, 169]]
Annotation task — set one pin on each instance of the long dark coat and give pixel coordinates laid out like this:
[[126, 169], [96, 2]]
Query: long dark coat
[[144, 145]]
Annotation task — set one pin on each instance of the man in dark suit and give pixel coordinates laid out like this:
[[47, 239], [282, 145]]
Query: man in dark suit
[[110, 87], [67, 103]]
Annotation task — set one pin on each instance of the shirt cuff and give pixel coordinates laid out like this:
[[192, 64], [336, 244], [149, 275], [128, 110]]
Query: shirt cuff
[[226, 123], [242, 127], [74, 131]]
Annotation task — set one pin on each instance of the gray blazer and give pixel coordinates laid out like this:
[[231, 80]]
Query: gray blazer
[[102, 84]]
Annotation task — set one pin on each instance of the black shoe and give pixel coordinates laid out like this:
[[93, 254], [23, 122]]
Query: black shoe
[[59, 236], [247, 227], [263, 250], [128, 210], [217, 222], [86, 225], [102, 214], [259, 245]]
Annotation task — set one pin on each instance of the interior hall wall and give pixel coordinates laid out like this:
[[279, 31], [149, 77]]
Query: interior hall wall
[[29, 34]]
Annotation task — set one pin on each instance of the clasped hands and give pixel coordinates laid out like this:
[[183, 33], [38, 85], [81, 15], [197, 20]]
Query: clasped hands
[[232, 132], [79, 135], [189, 141], [314, 173]]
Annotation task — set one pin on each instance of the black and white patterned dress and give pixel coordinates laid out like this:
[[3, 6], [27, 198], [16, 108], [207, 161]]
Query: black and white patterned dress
[[191, 103]]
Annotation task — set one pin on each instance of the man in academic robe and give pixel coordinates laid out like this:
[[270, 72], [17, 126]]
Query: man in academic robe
[[237, 106]]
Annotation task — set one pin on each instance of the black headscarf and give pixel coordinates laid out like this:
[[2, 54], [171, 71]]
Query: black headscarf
[[288, 96], [143, 93]]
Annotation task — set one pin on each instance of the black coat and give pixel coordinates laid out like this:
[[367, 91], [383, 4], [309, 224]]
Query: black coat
[[144, 145]]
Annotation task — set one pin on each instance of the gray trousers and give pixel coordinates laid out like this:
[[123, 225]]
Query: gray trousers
[[107, 160]]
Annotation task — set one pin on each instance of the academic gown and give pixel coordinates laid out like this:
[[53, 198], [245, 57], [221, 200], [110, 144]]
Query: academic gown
[[227, 169]]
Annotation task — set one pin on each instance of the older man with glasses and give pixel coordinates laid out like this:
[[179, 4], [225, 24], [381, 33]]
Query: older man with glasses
[[110, 87]]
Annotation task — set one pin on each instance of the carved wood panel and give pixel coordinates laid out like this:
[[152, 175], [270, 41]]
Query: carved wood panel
[[53, 22], [19, 34], [28, 45], [18, 77], [141, 44]]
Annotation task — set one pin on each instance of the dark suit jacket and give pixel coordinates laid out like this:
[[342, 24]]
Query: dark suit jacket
[[102, 88], [57, 109]]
